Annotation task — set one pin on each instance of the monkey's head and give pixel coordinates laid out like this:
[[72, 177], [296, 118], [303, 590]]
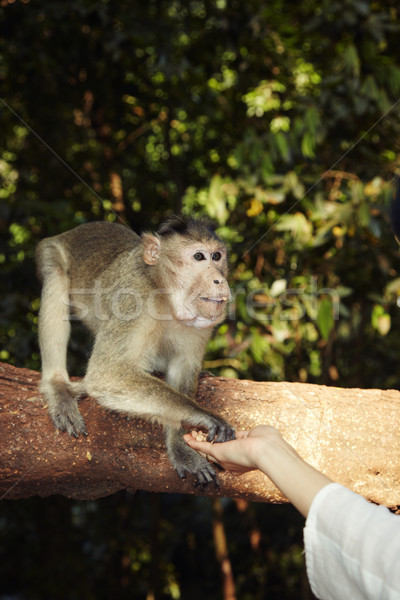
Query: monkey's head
[[189, 266]]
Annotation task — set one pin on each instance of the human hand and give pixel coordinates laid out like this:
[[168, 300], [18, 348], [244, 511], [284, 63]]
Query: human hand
[[264, 448], [240, 455]]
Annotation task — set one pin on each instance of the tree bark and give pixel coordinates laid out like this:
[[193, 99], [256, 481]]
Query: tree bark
[[351, 435]]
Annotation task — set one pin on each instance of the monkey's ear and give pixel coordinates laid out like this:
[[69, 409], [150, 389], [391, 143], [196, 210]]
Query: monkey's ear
[[151, 250]]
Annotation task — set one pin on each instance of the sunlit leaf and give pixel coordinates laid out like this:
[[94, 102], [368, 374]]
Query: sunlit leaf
[[380, 320], [325, 318]]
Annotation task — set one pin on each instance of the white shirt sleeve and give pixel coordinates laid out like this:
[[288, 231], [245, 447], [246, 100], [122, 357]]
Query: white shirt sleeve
[[352, 547]]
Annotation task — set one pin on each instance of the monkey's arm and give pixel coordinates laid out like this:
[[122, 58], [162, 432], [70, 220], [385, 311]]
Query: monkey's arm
[[117, 378], [146, 396], [182, 375], [121, 388]]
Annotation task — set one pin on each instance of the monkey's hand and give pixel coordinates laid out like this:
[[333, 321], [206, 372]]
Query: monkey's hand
[[218, 429], [185, 460]]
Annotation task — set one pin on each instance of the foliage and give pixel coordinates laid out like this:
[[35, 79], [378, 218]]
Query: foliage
[[284, 131], [280, 120]]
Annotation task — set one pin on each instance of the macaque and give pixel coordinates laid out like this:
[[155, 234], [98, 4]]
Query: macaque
[[150, 303]]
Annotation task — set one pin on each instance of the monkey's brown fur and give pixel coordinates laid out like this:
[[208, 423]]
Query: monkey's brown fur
[[151, 304]]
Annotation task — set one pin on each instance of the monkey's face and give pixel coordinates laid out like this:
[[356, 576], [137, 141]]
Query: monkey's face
[[195, 275]]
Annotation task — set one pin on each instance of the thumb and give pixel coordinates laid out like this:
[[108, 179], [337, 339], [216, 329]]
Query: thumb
[[197, 445]]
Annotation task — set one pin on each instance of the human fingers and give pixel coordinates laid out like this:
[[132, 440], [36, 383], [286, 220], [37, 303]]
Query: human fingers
[[201, 446], [231, 455]]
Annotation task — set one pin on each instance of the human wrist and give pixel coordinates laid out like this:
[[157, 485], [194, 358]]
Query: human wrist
[[296, 478], [270, 450]]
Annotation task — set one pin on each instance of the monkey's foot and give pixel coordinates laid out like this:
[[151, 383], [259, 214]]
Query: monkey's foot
[[64, 411], [66, 417], [202, 470], [74, 425], [185, 460]]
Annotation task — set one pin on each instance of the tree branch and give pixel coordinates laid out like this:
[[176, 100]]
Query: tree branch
[[351, 435]]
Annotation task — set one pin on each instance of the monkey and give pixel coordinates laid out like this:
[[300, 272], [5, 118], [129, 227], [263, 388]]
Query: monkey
[[150, 303]]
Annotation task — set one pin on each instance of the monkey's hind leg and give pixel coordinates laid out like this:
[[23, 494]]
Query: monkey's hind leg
[[59, 392], [185, 460], [62, 400]]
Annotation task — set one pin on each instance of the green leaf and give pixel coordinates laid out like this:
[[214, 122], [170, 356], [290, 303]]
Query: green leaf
[[370, 88], [352, 60], [298, 225], [364, 215], [282, 145], [308, 145], [325, 319], [380, 319]]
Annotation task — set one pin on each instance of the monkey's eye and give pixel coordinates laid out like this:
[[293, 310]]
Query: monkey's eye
[[217, 256], [199, 256]]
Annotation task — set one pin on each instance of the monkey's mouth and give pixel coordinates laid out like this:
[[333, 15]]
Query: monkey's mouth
[[215, 300]]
